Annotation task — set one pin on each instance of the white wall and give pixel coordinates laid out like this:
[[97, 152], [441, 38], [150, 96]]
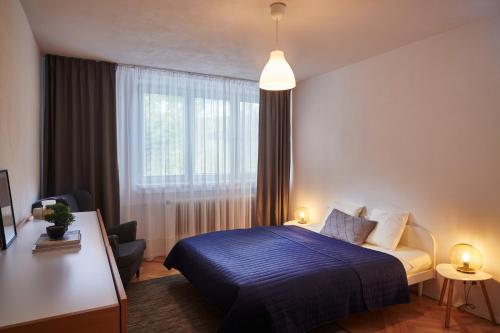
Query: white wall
[[418, 129], [19, 106]]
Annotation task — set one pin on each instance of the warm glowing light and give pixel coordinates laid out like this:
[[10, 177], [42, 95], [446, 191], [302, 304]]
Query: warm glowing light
[[277, 74], [302, 214], [466, 258]]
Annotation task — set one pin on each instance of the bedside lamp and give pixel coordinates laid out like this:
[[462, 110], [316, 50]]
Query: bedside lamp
[[466, 258], [302, 214]]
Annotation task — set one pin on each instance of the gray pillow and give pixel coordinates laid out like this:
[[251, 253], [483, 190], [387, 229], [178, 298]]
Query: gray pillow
[[348, 228]]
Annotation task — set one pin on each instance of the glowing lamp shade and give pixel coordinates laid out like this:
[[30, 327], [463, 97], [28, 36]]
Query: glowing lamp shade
[[277, 74], [466, 258], [302, 214]]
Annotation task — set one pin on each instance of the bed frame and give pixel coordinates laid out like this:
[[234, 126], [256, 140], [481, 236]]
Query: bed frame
[[422, 239]]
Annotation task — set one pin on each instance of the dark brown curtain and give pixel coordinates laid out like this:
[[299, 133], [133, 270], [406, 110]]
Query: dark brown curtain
[[79, 132], [273, 173]]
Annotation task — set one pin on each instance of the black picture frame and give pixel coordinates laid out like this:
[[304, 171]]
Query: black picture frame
[[6, 203]]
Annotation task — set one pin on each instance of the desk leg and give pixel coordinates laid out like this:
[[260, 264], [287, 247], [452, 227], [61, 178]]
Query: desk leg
[[448, 304], [443, 291], [488, 303]]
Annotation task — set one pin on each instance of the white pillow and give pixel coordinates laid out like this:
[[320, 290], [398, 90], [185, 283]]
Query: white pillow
[[347, 208], [389, 229]]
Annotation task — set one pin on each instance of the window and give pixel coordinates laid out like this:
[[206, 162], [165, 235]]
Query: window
[[164, 139], [250, 126], [212, 124], [193, 136], [187, 152]]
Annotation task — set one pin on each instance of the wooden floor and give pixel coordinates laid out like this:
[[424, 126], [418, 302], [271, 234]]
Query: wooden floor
[[421, 315], [153, 269]]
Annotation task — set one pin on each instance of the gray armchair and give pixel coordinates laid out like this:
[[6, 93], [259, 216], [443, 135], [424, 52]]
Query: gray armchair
[[127, 250]]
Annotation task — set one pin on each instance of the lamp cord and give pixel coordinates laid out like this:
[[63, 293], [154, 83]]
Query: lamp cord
[[276, 35], [467, 305]]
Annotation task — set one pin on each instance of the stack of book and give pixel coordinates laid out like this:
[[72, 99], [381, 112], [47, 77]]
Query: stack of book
[[70, 241]]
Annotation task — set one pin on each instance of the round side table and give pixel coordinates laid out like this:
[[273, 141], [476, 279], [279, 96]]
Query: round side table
[[450, 275]]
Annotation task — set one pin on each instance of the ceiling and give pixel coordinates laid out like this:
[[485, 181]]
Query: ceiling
[[234, 37]]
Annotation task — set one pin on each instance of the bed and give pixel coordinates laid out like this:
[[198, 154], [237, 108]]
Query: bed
[[416, 251], [290, 279]]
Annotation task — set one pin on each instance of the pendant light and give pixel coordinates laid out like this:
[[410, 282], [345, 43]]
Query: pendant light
[[277, 74]]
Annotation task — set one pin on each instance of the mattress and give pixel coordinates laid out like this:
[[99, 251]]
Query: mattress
[[413, 260]]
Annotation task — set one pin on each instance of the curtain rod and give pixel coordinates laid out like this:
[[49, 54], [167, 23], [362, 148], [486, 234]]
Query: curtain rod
[[186, 72], [156, 68]]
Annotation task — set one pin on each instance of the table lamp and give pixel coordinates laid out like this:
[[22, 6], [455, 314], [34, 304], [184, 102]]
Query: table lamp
[[466, 258], [302, 214]]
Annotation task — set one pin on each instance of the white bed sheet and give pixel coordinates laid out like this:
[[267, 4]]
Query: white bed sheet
[[413, 260]]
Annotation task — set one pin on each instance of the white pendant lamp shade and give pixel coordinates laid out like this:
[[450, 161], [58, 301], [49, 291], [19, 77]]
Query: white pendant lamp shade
[[277, 74]]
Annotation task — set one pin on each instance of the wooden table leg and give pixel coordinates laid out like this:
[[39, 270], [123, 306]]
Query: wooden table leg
[[488, 303], [448, 304], [443, 291]]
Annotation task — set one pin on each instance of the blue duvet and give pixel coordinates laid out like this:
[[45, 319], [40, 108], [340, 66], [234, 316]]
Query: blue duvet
[[287, 279]]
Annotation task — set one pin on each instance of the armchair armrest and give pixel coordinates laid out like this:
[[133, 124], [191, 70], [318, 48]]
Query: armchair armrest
[[126, 232], [113, 242]]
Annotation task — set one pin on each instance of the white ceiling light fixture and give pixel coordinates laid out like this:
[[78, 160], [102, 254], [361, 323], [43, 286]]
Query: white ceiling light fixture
[[277, 74]]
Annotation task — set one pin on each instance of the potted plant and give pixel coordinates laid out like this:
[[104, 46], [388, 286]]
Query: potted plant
[[61, 216]]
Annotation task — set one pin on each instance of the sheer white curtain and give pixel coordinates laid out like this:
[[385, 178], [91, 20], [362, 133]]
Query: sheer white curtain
[[187, 153]]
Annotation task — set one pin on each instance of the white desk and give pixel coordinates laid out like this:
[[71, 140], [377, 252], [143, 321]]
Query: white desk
[[64, 285]]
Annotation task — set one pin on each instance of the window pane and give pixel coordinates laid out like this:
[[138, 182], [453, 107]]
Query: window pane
[[248, 132], [164, 135], [211, 137]]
